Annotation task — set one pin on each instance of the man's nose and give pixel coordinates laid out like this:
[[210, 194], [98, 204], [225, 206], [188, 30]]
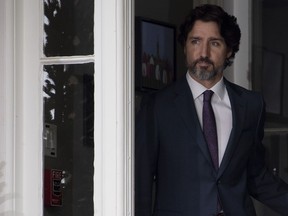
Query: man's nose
[[204, 50]]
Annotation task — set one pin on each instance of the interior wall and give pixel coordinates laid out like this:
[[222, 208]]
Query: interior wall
[[174, 12]]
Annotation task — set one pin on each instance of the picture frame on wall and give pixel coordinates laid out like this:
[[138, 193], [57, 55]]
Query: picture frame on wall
[[155, 57]]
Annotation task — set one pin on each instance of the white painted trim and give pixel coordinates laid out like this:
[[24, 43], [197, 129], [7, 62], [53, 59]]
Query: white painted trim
[[28, 100], [98, 137], [114, 91], [7, 106], [111, 109], [128, 82], [121, 113]]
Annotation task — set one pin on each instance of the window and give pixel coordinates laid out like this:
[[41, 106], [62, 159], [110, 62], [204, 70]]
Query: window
[[27, 78], [68, 106]]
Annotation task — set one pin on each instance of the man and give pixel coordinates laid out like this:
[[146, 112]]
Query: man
[[195, 174]]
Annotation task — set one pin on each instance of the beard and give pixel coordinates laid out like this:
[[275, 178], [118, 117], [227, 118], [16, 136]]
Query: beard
[[203, 73]]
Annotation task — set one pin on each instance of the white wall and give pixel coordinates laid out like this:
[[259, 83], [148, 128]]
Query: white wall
[[240, 71]]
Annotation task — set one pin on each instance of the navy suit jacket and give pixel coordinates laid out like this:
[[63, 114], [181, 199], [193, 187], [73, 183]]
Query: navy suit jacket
[[174, 173]]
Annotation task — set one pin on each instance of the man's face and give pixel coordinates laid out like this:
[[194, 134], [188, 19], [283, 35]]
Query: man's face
[[206, 52]]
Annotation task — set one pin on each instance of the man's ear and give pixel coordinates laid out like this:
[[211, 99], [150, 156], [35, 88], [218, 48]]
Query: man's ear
[[229, 53], [184, 50]]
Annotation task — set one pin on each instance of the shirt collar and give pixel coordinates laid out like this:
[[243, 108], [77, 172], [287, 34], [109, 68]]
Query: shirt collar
[[197, 89]]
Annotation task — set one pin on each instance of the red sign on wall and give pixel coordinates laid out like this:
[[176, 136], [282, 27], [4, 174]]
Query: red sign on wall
[[52, 187]]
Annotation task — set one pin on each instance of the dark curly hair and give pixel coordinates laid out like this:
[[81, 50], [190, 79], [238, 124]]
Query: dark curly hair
[[229, 29]]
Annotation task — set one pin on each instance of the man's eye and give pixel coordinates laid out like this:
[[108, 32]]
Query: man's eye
[[195, 41], [215, 43]]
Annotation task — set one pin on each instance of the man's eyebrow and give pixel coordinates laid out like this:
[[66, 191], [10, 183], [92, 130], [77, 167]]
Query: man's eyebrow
[[210, 39], [194, 37], [216, 38]]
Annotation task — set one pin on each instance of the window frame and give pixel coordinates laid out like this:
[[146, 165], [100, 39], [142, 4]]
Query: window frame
[[113, 132]]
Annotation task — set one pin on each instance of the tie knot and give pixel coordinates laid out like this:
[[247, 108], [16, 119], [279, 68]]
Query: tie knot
[[208, 95]]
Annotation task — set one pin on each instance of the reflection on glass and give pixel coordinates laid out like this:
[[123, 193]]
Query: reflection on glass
[[68, 95], [68, 27]]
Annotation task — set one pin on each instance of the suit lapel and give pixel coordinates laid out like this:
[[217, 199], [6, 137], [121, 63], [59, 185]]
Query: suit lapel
[[238, 105], [185, 105], [186, 108]]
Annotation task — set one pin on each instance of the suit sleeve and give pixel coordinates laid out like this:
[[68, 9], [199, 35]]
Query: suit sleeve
[[145, 159], [263, 185]]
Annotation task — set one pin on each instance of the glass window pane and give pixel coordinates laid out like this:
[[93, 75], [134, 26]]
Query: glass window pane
[[68, 96], [68, 27]]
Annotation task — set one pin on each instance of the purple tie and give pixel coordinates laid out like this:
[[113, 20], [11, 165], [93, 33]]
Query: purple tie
[[209, 127]]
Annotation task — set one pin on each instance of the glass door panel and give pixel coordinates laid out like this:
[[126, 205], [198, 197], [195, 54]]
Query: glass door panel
[[68, 139], [68, 107], [68, 27]]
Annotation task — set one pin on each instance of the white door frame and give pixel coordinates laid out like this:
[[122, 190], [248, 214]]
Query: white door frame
[[114, 91], [28, 108], [113, 111], [7, 108]]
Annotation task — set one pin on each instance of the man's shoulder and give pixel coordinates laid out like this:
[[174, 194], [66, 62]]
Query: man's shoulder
[[240, 89], [177, 87]]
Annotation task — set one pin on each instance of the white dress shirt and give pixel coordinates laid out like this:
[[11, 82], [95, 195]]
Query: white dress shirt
[[222, 110]]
